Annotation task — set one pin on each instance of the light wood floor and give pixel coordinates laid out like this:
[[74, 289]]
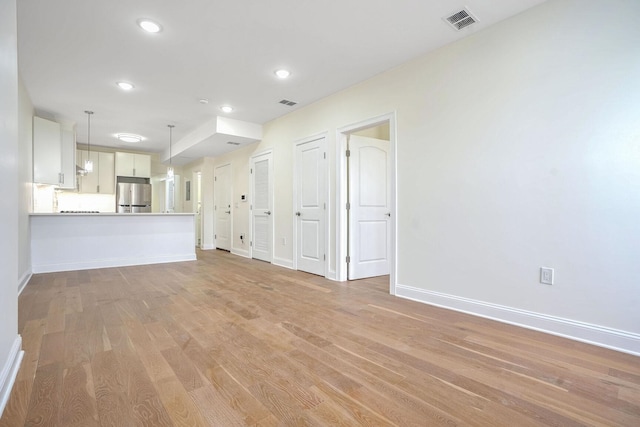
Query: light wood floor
[[227, 341]]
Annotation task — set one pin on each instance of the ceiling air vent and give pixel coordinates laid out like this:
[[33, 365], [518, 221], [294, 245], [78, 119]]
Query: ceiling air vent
[[233, 143], [460, 19], [287, 102]]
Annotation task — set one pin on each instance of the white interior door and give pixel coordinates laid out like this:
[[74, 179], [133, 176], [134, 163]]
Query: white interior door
[[262, 206], [370, 207], [196, 196], [310, 206], [222, 207]]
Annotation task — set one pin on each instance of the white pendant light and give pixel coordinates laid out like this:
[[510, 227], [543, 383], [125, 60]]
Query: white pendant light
[[170, 168], [88, 164]]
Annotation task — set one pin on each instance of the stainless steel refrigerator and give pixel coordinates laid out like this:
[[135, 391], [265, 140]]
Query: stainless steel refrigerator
[[133, 198]]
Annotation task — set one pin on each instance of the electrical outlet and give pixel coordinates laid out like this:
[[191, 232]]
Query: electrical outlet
[[546, 275]]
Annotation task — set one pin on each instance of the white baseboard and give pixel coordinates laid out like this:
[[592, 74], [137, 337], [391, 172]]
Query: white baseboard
[[281, 262], [113, 262], [332, 275], [240, 252], [23, 281], [614, 339], [207, 247], [9, 372]]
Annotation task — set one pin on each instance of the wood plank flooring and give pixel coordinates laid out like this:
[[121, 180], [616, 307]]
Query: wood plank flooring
[[227, 341]]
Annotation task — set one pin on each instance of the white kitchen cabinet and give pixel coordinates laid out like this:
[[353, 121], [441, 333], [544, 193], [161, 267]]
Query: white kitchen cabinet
[[54, 149], [106, 173], [102, 179], [47, 151], [132, 164], [68, 161]]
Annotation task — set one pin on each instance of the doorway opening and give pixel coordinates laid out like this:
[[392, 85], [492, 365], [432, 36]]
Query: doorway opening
[[366, 197]]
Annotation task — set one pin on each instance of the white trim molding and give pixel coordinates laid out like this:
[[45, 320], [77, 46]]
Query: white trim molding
[[614, 339], [112, 262], [241, 252], [10, 371], [22, 283], [281, 262]]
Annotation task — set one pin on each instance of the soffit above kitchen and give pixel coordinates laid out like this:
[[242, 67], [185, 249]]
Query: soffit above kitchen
[[212, 53]]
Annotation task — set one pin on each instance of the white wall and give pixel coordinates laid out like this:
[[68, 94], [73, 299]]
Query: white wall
[[25, 178], [10, 200], [517, 147], [523, 143]]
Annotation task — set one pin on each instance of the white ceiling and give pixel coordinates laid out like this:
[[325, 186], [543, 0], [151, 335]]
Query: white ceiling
[[72, 53]]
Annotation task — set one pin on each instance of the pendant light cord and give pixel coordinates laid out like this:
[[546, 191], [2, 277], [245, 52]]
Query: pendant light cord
[[89, 113], [170, 141]]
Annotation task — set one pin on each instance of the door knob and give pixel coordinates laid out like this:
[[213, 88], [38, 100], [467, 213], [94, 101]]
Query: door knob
[[227, 212], [268, 212], [388, 214], [298, 214]]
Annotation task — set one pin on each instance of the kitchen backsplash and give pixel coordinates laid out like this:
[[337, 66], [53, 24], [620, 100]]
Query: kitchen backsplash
[[47, 199], [86, 202]]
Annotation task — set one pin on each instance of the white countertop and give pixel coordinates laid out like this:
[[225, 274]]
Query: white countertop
[[111, 214]]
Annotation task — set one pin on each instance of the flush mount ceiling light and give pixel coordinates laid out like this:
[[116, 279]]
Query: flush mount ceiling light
[[149, 26], [129, 137], [125, 85], [226, 109], [282, 73], [203, 101]]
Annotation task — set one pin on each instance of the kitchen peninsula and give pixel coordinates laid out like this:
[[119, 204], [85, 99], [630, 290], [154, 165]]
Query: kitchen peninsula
[[80, 241]]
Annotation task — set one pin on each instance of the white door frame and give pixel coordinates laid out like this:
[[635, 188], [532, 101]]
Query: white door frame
[[327, 251], [215, 222], [341, 195], [251, 195], [196, 186]]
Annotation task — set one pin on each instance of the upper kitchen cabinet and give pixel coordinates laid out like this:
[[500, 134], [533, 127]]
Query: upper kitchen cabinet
[[102, 179], [54, 149], [68, 161], [131, 164]]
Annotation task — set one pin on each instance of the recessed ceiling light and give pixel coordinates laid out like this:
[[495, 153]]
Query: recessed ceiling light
[[149, 26], [125, 85], [203, 101], [129, 137], [282, 73], [226, 108]]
